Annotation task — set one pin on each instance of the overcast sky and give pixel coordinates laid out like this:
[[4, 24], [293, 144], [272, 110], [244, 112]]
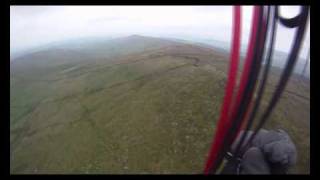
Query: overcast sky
[[32, 26]]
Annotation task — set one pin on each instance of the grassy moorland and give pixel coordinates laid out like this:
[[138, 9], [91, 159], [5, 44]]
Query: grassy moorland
[[136, 105]]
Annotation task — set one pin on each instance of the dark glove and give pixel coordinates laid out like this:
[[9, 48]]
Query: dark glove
[[254, 162], [269, 152]]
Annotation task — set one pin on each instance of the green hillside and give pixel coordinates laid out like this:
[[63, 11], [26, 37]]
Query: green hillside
[[129, 105]]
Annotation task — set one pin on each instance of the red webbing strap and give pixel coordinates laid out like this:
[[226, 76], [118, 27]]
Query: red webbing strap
[[262, 33], [248, 60], [225, 120], [230, 86]]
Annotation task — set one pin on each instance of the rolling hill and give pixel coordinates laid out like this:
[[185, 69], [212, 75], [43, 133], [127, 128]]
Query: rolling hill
[[129, 105]]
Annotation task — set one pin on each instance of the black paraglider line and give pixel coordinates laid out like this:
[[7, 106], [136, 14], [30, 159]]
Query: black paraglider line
[[302, 19], [297, 21], [261, 87], [244, 99]]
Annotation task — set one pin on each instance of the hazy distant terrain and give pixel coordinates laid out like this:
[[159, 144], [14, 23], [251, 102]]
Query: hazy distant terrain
[[130, 105]]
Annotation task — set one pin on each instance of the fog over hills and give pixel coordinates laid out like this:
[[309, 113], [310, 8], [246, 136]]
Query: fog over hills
[[101, 45]]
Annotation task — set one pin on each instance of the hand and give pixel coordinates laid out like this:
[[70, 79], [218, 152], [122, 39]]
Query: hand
[[270, 152]]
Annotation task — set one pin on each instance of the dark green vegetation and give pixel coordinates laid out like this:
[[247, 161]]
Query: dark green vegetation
[[130, 105]]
